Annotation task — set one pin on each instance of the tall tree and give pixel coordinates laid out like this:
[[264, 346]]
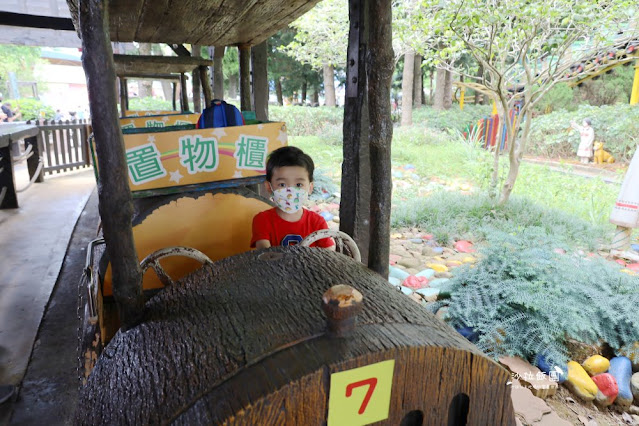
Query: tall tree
[[525, 49], [145, 87], [320, 41], [21, 60]]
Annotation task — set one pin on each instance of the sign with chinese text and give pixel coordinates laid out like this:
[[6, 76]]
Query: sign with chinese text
[[165, 159], [155, 121], [360, 396]]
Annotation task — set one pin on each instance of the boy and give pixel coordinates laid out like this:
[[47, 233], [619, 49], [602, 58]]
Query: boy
[[289, 177]]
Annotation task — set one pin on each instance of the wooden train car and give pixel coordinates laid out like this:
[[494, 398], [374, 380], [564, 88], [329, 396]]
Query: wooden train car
[[257, 339]]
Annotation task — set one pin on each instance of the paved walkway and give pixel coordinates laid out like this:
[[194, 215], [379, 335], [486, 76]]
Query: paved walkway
[[33, 243]]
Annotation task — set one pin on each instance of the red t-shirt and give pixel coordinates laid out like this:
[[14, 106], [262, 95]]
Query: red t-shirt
[[267, 225]]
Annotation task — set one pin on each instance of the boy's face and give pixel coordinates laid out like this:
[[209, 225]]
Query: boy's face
[[290, 176]]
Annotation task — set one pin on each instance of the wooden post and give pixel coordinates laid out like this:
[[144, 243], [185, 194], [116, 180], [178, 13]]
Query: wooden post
[[123, 96], [8, 195], [206, 85], [356, 179], [37, 147], [217, 53], [245, 77], [380, 72], [114, 194], [197, 97], [184, 96], [174, 84], [260, 81]]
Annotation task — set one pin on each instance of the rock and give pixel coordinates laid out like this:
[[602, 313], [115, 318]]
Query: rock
[[426, 237], [393, 258], [526, 405], [396, 235], [428, 292], [469, 259], [398, 273], [538, 382], [427, 273], [394, 281], [407, 291], [632, 352], [415, 283], [453, 263], [438, 250], [634, 387], [437, 267], [412, 271], [438, 282], [633, 410], [580, 383], [469, 333], [328, 216], [336, 219], [621, 370], [464, 246], [559, 251], [633, 267], [556, 372], [608, 389], [416, 297], [409, 262], [429, 251], [442, 313], [416, 240], [596, 364], [443, 275]]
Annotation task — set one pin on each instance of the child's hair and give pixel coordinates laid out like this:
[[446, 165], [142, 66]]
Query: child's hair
[[288, 156]]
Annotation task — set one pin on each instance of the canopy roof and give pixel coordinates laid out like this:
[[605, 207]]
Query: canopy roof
[[131, 65], [202, 22]]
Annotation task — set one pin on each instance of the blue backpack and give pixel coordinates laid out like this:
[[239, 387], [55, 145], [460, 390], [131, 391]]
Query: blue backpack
[[220, 114]]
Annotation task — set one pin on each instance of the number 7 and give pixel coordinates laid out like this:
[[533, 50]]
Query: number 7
[[372, 382]]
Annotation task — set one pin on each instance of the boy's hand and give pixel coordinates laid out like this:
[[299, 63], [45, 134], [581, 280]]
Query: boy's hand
[[260, 244]]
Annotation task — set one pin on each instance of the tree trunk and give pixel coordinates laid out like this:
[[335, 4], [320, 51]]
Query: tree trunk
[[517, 149], [407, 89], [245, 78], [145, 87], [431, 93], [167, 89], [259, 93], [448, 90], [113, 191], [233, 86], [304, 89], [195, 80], [329, 85], [440, 89], [278, 92], [417, 82], [218, 72], [479, 98], [380, 73], [315, 98]]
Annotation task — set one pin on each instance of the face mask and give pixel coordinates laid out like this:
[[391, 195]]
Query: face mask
[[290, 199]]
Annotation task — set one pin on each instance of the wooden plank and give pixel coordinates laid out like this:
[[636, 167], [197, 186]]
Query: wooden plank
[[77, 142], [9, 198], [260, 81], [195, 82], [126, 64], [56, 147], [86, 155], [263, 27], [128, 16], [245, 78], [47, 137], [223, 19], [68, 146]]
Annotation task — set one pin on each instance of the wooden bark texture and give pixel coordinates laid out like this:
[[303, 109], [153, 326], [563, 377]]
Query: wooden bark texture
[[244, 342], [356, 171], [259, 57], [245, 78], [407, 88], [113, 189], [380, 73]]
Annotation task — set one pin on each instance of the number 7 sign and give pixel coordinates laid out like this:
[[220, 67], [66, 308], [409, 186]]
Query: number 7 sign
[[360, 396]]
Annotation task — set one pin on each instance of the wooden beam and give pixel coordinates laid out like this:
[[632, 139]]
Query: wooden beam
[[150, 76], [180, 50], [218, 71], [175, 85], [260, 81], [206, 86], [356, 173], [36, 21], [123, 96], [379, 74], [114, 194], [184, 96], [245, 78], [197, 96], [157, 64]]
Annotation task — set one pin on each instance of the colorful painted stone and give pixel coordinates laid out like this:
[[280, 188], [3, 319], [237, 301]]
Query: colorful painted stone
[[428, 273], [393, 258], [469, 259], [559, 250], [464, 246], [437, 267], [634, 387], [427, 292], [327, 216], [580, 383], [633, 267], [416, 240], [621, 370], [596, 364], [438, 282], [394, 281], [427, 237], [415, 282], [469, 333], [608, 389], [558, 372], [407, 291], [453, 263], [398, 273], [621, 262]]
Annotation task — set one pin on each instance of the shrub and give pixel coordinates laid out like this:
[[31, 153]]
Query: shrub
[[305, 121], [150, 104], [32, 109], [524, 299], [615, 125], [452, 118]]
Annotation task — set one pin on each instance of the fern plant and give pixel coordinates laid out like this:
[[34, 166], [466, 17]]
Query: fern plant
[[524, 299]]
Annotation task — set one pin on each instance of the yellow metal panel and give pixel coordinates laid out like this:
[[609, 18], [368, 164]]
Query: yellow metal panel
[[167, 159], [155, 121], [634, 97], [218, 225]]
